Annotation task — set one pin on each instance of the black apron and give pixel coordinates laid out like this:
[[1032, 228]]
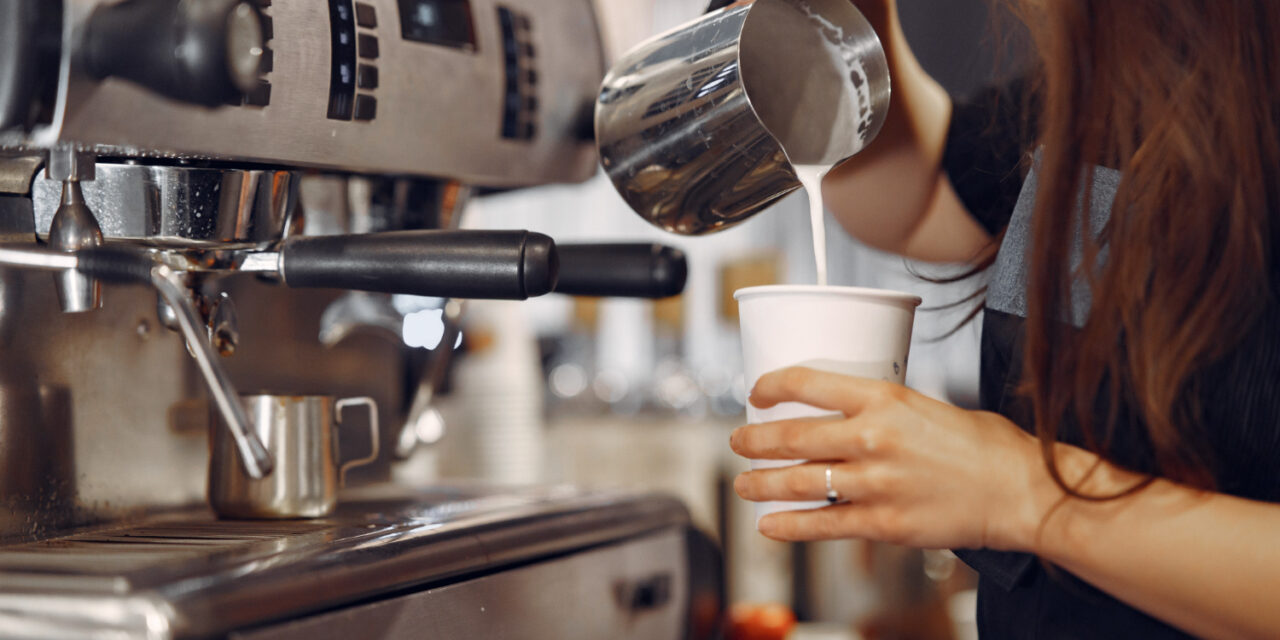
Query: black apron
[[1018, 596]]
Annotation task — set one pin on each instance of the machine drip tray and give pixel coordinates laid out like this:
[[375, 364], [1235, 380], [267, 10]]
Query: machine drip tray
[[189, 574]]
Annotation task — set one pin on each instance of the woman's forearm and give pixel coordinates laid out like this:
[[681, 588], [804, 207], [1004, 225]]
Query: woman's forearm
[[919, 472], [1206, 562]]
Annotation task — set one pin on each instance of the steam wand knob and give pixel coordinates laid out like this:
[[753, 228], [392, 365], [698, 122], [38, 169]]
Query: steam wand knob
[[207, 53]]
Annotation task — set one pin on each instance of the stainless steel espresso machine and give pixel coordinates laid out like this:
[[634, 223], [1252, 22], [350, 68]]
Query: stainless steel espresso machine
[[207, 200]]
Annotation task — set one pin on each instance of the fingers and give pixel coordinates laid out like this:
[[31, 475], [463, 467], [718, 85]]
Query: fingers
[[798, 438], [821, 438], [852, 520], [806, 481], [822, 389]]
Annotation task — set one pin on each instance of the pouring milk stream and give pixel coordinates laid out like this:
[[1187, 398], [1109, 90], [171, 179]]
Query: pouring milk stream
[[840, 83], [811, 177], [838, 329]]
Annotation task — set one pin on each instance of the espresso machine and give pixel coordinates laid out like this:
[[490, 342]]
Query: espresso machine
[[203, 201]]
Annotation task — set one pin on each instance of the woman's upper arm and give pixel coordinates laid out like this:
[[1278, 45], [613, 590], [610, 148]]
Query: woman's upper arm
[[947, 183], [948, 232]]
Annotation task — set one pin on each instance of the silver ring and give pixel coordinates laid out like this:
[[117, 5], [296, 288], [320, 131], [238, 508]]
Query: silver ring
[[833, 496]]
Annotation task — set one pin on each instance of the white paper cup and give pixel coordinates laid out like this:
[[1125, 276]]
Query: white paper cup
[[848, 330]]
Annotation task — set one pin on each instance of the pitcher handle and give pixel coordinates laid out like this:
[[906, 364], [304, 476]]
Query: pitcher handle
[[372, 406]]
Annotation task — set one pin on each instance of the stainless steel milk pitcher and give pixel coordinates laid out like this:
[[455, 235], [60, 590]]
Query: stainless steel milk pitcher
[[698, 128], [301, 433]]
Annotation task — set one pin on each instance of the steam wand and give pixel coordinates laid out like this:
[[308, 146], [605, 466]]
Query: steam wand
[[490, 264]]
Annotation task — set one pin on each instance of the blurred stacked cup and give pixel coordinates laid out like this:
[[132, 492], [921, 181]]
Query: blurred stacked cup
[[500, 388]]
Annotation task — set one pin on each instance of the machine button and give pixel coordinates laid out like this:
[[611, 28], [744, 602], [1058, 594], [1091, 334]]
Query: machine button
[[366, 107], [340, 106], [367, 77], [510, 126], [366, 15], [342, 82], [368, 46], [268, 60], [268, 28], [261, 96]]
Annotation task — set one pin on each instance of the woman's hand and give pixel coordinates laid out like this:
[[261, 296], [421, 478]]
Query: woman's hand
[[914, 471]]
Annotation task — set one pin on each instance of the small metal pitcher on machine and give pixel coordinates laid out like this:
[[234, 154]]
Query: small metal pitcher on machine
[[699, 128], [301, 435]]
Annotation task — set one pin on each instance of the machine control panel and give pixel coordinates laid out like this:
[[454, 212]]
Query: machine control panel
[[342, 79], [490, 92], [520, 98], [355, 51]]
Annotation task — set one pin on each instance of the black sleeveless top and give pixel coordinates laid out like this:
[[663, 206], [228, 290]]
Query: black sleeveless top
[[988, 161]]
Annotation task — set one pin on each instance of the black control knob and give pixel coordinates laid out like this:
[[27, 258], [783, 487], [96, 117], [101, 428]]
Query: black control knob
[[30, 45], [206, 52]]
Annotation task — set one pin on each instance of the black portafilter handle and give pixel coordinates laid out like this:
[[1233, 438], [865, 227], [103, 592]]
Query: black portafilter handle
[[491, 265], [622, 270]]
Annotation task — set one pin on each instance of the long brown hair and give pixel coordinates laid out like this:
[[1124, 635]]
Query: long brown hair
[[1183, 97]]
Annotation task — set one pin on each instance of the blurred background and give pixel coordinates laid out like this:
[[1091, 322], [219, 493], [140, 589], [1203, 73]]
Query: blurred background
[[642, 395]]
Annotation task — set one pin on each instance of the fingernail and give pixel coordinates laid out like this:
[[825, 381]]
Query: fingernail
[[766, 525]]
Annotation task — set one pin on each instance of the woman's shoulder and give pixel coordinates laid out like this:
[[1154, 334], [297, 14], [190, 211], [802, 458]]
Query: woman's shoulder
[[987, 149]]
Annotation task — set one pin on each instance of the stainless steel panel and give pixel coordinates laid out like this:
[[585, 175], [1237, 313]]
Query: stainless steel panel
[[103, 417], [84, 407], [439, 113], [587, 595]]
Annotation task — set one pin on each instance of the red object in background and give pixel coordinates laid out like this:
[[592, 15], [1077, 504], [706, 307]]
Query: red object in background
[[760, 622]]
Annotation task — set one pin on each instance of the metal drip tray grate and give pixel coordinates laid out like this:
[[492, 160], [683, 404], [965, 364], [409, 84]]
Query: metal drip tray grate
[[193, 575], [124, 551]]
